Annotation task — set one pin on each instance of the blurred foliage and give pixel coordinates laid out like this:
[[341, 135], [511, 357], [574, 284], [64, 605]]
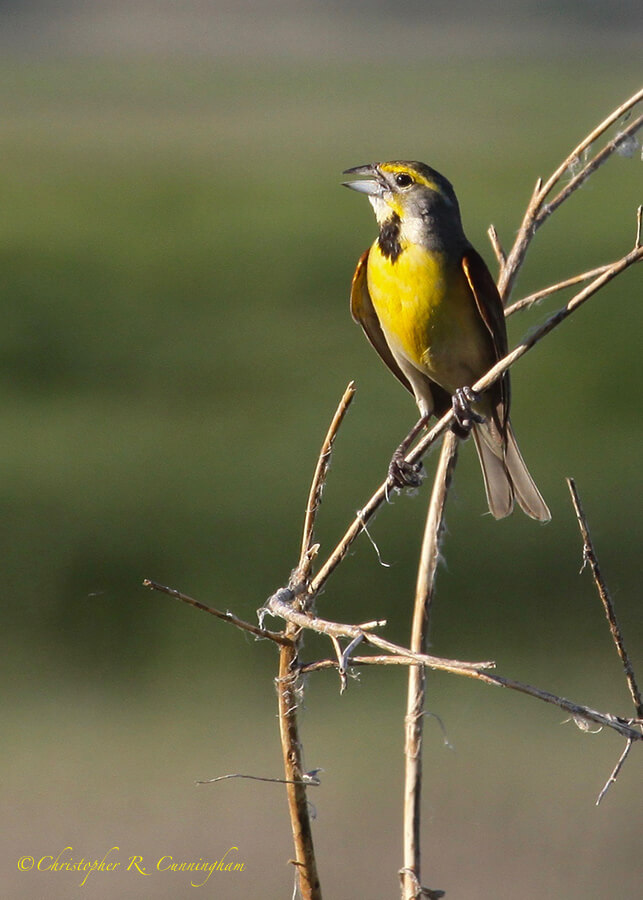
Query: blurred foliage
[[176, 255]]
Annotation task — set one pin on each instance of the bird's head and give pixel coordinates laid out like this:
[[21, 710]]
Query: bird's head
[[422, 199]]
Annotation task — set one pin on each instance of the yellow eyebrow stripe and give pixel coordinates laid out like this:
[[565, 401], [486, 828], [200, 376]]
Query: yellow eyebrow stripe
[[417, 177]]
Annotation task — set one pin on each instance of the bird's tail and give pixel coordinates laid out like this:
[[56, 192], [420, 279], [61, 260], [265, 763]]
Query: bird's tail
[[505, 474]]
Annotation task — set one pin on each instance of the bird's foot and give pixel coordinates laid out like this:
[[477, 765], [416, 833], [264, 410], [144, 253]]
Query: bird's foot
[[403, 474], [465, 416]]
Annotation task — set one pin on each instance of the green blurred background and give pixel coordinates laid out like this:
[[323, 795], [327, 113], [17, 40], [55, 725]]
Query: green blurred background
[[176, 255]]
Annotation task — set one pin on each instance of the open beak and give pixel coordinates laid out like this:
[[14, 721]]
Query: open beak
[[373, 187]]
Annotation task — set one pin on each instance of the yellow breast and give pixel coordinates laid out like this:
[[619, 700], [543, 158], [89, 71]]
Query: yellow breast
[[428, 315]]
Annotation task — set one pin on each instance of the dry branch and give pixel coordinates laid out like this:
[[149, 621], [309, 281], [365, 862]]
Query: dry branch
[[537, 212], [416, 691], [590, 559], [280, 604], [288, 684], [229, 617], [579, 713], [537, 296], [308, 549], [616, 770], [306, 875]]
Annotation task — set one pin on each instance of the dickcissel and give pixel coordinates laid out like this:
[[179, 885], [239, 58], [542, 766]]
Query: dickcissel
[[430, 307]]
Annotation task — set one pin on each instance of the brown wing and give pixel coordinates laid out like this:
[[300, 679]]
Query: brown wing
[[492, 313], [364, 313]]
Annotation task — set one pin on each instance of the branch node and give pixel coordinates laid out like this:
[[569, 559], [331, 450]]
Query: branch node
[[341, 667], [419, 890]]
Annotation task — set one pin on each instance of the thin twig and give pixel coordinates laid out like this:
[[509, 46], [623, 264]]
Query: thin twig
[[590, 559], [553, 288], [578, 712], [501, 256], [582, 713], [319, 477], [276, 606], [229, 617], [582, 176], [534, 215], [311, 778], [593, 136], [399, 659], [414, 720], [616, 770]]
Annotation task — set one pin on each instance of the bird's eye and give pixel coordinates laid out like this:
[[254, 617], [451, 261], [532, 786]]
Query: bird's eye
[[403, 180]]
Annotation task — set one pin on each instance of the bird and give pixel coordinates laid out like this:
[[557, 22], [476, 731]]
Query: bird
[[431, 309]]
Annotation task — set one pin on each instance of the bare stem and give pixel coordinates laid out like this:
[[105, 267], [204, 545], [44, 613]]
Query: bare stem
[[587, 170], [537, 296], [590, 559], [229, 617], [537, 213], [289, 686], [310, 778], [497, 246], [319, 477], [414, 721], [287, 693], [278, 605], [580, 714], [616, 770]]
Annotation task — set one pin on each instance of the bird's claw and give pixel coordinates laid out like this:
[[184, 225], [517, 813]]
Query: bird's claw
[[402, 474], [465, 416]]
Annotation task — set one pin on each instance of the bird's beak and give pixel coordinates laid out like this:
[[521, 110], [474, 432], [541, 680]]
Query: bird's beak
[[373, 187]]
